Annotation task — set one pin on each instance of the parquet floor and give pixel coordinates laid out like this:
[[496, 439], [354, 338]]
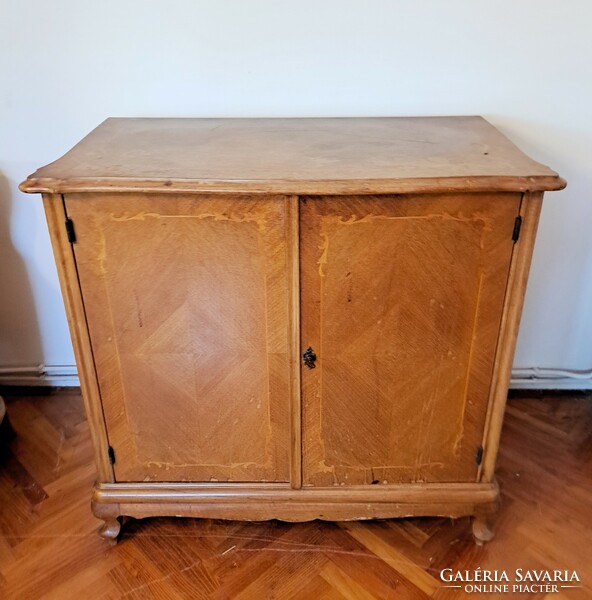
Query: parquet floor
[[49, 547]]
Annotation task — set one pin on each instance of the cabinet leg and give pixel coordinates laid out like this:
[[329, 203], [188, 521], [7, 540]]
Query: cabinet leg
[[482, 531], [110, 529], [109, 513]]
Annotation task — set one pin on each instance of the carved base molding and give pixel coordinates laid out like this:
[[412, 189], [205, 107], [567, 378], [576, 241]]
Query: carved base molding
[[278, 501]]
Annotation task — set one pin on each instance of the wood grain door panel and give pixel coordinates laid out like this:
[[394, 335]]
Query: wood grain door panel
[[188, 308], [401, 301]]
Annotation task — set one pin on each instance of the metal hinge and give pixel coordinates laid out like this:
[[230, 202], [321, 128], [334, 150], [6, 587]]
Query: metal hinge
[[517, 226], [70, 230], [111, 454], [479, 455]]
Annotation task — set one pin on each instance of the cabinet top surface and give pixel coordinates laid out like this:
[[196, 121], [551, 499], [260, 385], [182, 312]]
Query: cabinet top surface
[[294, 156]]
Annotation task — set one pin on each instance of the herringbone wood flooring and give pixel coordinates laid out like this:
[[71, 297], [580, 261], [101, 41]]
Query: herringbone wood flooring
[[49, 547]]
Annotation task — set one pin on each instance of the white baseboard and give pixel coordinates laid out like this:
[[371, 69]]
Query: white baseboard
[[534, 378], [522, 378], [40, 375]]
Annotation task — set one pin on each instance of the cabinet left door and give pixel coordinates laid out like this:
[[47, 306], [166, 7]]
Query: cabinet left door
[[188, 301]]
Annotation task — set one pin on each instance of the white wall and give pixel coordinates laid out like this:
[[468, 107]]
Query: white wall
[[65, 65]]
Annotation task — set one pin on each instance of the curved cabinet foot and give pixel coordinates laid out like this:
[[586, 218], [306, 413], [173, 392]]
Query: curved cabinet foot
[[482, 531], [111, 516], [110, 529]]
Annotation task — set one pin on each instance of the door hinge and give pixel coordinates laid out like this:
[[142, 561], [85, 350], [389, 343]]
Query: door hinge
[[111, 453], [479, 455], [517, 226], [70, 230]]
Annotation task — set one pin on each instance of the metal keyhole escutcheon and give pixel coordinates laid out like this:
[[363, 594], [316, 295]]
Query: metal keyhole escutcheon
[[309, 358]]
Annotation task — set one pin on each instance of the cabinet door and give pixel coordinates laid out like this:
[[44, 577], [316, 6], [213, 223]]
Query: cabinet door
[[401, 302], [188, 302]]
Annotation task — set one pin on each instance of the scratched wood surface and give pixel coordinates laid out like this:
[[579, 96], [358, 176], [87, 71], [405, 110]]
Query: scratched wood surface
[[295, 156], [401, 301], [188, 302], [49, 548]]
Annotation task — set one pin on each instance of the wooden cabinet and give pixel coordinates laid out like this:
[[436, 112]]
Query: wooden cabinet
[[294, 319]]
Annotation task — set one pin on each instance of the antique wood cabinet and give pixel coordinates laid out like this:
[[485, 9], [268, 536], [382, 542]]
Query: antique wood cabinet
[[294, 318]]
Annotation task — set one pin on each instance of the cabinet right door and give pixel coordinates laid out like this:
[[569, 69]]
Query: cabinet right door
[[401, 302]]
